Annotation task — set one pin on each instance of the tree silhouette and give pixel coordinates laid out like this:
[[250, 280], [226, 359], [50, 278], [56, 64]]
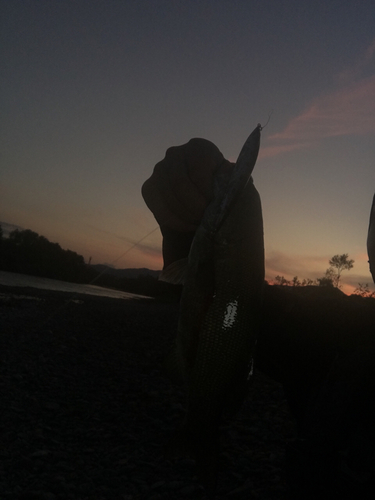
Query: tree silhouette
[[332, 276], [29, 253], [364, 291], [308, 282], [338, 264], [328, 279], [341, 263], [296, 281], [281, 281]]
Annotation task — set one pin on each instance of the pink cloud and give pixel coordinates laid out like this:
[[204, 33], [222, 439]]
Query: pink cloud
[[278, 263], [274, 150], [353, 73], [349, 110]]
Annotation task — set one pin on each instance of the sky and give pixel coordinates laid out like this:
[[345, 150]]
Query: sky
[[95, 91]]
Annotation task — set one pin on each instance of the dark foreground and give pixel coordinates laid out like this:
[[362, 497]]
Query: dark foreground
[[86, 411]]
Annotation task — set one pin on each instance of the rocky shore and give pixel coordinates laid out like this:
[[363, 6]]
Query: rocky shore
[[86, 411]]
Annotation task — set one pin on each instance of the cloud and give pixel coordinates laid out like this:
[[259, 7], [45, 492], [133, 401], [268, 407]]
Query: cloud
[[353, 280], [350, 110], [274, 150], [149, 250], [353, 73], [278, 263]]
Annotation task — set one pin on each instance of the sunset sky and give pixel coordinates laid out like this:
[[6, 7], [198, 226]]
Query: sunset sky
[[94, 91]]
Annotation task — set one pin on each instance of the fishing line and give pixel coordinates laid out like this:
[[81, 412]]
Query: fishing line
[[75, 294], [123, 255], [269, 118]]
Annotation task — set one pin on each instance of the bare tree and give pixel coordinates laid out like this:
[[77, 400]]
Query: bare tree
[[281, 281], [341, 263], [364, 290], [338, 264], [332, 276]]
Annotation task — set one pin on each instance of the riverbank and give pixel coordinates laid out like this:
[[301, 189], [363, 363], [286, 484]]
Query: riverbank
[[87, 412], [25, 281]]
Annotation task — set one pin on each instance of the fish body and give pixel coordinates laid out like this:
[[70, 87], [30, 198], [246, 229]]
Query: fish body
[[220, 309], [371, 240]]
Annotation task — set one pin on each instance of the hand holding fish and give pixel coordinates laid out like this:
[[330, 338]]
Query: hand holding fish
[[219, 217], [181, 185], [180, 189]]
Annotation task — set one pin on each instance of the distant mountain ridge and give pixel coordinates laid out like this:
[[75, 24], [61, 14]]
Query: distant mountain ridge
[[125, 273]]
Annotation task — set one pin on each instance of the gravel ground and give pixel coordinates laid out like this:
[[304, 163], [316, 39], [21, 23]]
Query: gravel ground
[[86, 412]]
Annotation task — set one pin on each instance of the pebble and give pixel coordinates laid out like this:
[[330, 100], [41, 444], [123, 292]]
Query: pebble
[[49, 496], [87, 402], [188, 490], [175, 485], [52, 405], [40, 453]]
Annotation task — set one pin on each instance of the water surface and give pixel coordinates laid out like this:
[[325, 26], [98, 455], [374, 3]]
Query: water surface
[[23, 280]]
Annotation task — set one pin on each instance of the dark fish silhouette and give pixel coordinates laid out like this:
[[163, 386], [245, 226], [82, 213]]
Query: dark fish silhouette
[[371, 240], [219, 312]]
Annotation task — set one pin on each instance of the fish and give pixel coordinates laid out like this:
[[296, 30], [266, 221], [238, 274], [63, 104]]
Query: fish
[[220, 312], [371, 240]]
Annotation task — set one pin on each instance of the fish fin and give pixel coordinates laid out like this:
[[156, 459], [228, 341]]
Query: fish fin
[[204, 449], [172, 367], [175, 273]]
